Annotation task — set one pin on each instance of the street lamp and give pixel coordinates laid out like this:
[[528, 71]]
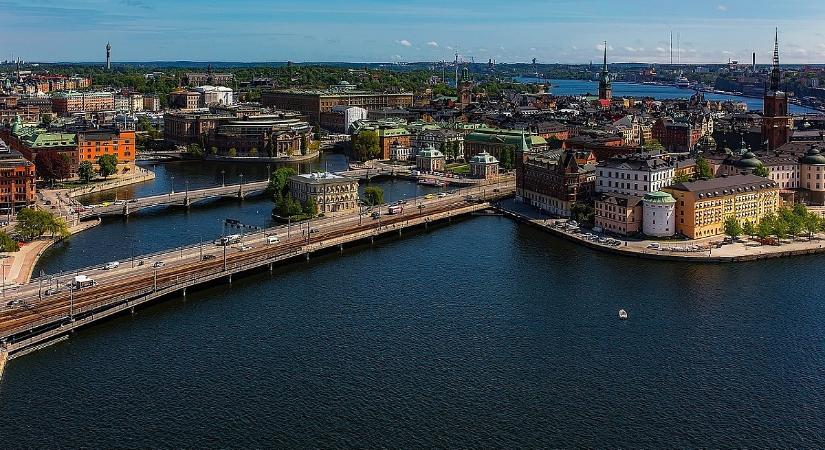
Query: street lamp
[[172, 177], [223, 178]]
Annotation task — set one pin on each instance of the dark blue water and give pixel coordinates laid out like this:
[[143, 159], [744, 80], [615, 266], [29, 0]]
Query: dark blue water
[[581, 87], [481, 334], [163, 228]]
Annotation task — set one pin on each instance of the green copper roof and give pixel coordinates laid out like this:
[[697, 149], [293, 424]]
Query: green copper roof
[[430, 152], [659, 197], [483, 158]]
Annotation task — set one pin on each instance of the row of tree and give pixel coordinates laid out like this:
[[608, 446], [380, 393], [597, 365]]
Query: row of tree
[[787, 222], [53, 166]]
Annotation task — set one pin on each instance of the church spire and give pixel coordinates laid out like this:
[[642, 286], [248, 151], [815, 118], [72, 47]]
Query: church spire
[[776, 74], [605, 90]]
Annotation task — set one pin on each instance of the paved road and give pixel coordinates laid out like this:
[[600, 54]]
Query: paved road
[[32, 294]]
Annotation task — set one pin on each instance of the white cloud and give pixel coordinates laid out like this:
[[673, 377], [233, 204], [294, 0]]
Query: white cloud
[[432, 44], [722, 8], [404, 42]]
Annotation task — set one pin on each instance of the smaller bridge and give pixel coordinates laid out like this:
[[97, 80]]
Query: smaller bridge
[[159, 155], [182, 198]]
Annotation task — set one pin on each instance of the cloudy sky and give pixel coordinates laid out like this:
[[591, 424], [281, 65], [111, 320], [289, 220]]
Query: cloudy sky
[[410, 30]]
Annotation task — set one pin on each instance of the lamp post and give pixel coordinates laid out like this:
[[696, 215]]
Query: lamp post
[[223, 178], [172, 177]]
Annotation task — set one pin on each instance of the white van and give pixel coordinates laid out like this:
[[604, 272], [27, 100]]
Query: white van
[[272, 239], [111, 265]]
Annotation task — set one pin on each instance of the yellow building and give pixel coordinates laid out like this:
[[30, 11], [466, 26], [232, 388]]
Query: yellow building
[[703, 206]]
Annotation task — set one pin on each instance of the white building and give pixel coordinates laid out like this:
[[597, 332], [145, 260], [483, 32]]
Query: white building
[[633, 175], [349, 115], [400, 152], [215, 95], [659, 214]]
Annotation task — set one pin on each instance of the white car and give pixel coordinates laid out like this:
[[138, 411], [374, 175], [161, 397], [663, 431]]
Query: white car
[[111, 265], [653, 245]]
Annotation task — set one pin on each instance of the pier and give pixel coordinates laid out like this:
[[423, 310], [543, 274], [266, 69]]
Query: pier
[[30, 319]]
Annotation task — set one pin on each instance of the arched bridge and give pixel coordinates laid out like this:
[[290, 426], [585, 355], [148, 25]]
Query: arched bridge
[[182, 198]]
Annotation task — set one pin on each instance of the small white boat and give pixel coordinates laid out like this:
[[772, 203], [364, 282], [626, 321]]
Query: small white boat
[[622, 314]]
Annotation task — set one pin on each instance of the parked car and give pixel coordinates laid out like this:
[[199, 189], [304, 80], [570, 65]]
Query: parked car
[[208, 257], [111, 265], [158, 264]]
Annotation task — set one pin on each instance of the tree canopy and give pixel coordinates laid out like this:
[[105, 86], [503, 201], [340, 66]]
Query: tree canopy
[[373, 195], [85, 171], [107, 164], [33, 223], [366, 145], [51, 165]]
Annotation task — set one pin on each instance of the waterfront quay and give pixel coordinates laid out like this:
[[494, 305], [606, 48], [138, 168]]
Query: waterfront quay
[[30, 318], [706, 250]]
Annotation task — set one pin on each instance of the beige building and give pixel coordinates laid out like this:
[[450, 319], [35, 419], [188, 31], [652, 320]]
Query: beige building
[[430, 160], [332, 193], [483, 165], [703, 206], [619, 213]]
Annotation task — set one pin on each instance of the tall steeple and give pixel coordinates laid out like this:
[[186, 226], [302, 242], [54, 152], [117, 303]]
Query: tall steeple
[[776, 123], [776, 74], [605, 89]]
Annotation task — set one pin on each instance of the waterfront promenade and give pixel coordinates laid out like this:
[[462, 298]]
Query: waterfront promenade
[[29, 317], [708, 249]]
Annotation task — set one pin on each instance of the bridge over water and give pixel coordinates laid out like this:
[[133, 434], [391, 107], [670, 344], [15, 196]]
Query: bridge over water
[[181, 198], [34, 319]]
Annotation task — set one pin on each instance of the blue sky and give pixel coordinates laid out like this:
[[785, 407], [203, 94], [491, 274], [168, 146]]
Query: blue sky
[[411, 30]]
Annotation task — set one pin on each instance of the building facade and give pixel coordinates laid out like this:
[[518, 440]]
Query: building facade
[[430, 160], [634, 175], [553, 184], [703, 206], [17, 181], [92, 144], [332, 193], [619, 214], [70, 102], [659, 209], [314, 103], [484, 166]]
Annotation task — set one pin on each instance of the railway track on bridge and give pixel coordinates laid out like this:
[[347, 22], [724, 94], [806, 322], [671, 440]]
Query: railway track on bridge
[[40, 320]]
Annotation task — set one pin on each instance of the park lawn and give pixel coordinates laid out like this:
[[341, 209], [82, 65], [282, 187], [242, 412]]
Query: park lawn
[[458, 168]]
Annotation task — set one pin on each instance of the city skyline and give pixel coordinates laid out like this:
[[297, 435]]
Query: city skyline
[[371, 31]]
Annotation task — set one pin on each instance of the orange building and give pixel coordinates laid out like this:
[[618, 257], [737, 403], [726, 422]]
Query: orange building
[[17, 175], [92, 144]]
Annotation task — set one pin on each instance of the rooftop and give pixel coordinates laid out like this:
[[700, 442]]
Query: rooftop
[[725, 185]]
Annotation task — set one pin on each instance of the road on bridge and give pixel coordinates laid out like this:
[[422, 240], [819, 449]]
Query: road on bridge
[[27, 306]]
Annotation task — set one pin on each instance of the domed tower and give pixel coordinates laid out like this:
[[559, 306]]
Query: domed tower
[[659, 214], [811, 170], [706, 144]]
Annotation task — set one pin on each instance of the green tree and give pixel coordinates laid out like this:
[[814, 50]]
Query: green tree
[[107, 165], [702, 165], [279, 181], [583, 213], [653, 146], [213, 150], [366, 145], [506, 157], [85, 171], [32, 223], [766, 226], [761, 171], [7, 244], [373, 195], [732, 227], [233, 152], [304, 144], [749, 228], [290, 207], [311, 208], [194, 150], [253, 152], [812, 223], [681, 178]]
